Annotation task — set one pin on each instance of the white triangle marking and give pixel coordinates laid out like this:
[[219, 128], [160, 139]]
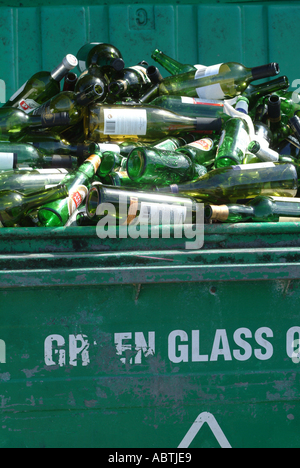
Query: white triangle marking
[[196, 426]]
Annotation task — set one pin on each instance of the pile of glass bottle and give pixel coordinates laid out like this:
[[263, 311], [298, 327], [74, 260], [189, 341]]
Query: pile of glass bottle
[[94, 131]]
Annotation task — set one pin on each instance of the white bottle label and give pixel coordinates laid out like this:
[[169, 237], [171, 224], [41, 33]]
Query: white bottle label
[[125, 121], [52, 171], [28, 105], [285, 199], [6, 161], [244, 167], [109, 147], [161, 213], [18, 92], [213, 91]]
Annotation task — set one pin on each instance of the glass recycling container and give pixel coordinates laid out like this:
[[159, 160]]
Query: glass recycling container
[[149, 342]]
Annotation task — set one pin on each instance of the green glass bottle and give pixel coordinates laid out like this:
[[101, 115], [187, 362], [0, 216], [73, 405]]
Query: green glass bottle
[[234, 140], [14, 123], [93, 76], [276, 123], [111, 161], [72, 103], [107, 57], [70, 81], [160, 167], [171, 65], [121, 179], [260, 209], [117, 122], [221, 81], [83, 53], [15, 205], [191, 107], [23, 155], [233, 183], [262, 151], [146, 208], [78, 183], [202, 151], [31, 180], [41, 86], [131, 82], [254, 93]]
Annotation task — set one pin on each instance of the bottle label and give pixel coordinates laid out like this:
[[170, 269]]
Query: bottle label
[[245, 167], [285, 199], [95, 160], [76, 197], [13, 97], [6, 161], [28, 105], [51, 171], [125, 121], [142, 72], [211, 91], [161, 213], [205, 144], [203, 102]]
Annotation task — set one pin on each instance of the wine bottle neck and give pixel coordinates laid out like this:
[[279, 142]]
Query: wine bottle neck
[[265, 71]]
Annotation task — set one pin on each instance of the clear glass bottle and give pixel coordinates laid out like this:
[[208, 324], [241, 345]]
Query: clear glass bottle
[[240, 182], [119, 122]]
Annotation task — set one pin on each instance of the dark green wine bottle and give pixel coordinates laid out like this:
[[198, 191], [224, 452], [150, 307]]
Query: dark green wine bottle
[[78, 183], [14, 123], [260, 209], [171, 65], [160, 167], [16, 205], [131, 82], [93, 76], [233, 183]]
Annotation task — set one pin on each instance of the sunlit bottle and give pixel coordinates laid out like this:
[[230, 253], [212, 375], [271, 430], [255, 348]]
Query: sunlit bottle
[[106, 56], [145, 208], [31, 180], [260, 209], [171, 65], [234, 140], [232, 183], [161, 167], [78, 183], [41, 86], [202, 151], [222, 81], [117, 122]]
